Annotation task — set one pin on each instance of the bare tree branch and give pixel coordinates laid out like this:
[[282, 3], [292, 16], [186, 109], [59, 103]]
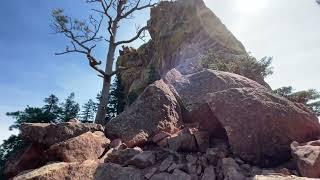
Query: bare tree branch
[[137, 7], [134, 38]]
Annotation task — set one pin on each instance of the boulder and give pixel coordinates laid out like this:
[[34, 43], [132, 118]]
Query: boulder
[[143, 160], [109, 171], [88, 170], [78, 149], [307, 157], [183, 141], [260, 125], [121, 156], [62, 170], [49, 134], [30, 158], [154, 111], [192, 91]]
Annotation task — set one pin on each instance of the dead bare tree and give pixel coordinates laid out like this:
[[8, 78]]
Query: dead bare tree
[[84, 37]]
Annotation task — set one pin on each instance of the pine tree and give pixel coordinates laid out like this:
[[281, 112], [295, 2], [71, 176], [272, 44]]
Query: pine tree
[[310, 98], [89, 111], [70, 109], [116, 103]]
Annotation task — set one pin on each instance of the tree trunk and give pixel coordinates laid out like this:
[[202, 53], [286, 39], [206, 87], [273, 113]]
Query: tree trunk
[[104, 100]]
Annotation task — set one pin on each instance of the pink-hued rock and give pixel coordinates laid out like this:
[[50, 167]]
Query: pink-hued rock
[[143, 160], [29, 158], [193, 89], [121, 156], [260, 125], [154, 111], [183, 140], [307, 157], [78, 149], [49, 134]]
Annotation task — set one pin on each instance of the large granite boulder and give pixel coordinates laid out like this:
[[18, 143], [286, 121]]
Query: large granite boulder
[[307, 157], [154, 111], [49, 134], [78, 149], [260, 125], [192, 91]]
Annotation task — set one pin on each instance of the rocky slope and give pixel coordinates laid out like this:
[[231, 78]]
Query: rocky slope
[[184, 122]]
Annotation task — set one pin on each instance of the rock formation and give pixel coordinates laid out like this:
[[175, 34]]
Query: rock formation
[[181, 121]]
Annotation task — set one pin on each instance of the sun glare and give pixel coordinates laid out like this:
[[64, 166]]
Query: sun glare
[[250, 6]]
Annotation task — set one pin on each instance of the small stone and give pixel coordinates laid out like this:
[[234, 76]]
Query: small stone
[[214, 154], [239, 161], [209, 173], [199, 169], [202, 139], [151, 172], [166, 164], [181, 174], [192, 159], [160, 136], [143, 160]]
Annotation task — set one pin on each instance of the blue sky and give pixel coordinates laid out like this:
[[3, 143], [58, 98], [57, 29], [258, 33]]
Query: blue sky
[[288, 30]]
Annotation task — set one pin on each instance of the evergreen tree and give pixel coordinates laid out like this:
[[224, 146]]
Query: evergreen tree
[[89, 111], [70, 109], [310, 98], [10, 147], [116, 99]]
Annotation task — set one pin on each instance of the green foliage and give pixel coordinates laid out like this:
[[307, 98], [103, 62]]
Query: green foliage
[[311, 97], [30, 115], [10, 147], [116, 102], [247, 66], [70, 108], [89, 111]]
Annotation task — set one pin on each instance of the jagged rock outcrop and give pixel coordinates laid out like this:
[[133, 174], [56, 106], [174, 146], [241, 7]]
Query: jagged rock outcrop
[[155, 110], [181, 33]]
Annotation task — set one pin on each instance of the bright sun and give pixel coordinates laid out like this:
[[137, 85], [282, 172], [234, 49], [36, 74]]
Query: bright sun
[[250, 7]]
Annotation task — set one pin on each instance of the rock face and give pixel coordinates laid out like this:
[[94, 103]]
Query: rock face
[[49, 134], [154, 111], [181, 33], [78, 149], [307, 157], [260, 125], [193, 89]]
